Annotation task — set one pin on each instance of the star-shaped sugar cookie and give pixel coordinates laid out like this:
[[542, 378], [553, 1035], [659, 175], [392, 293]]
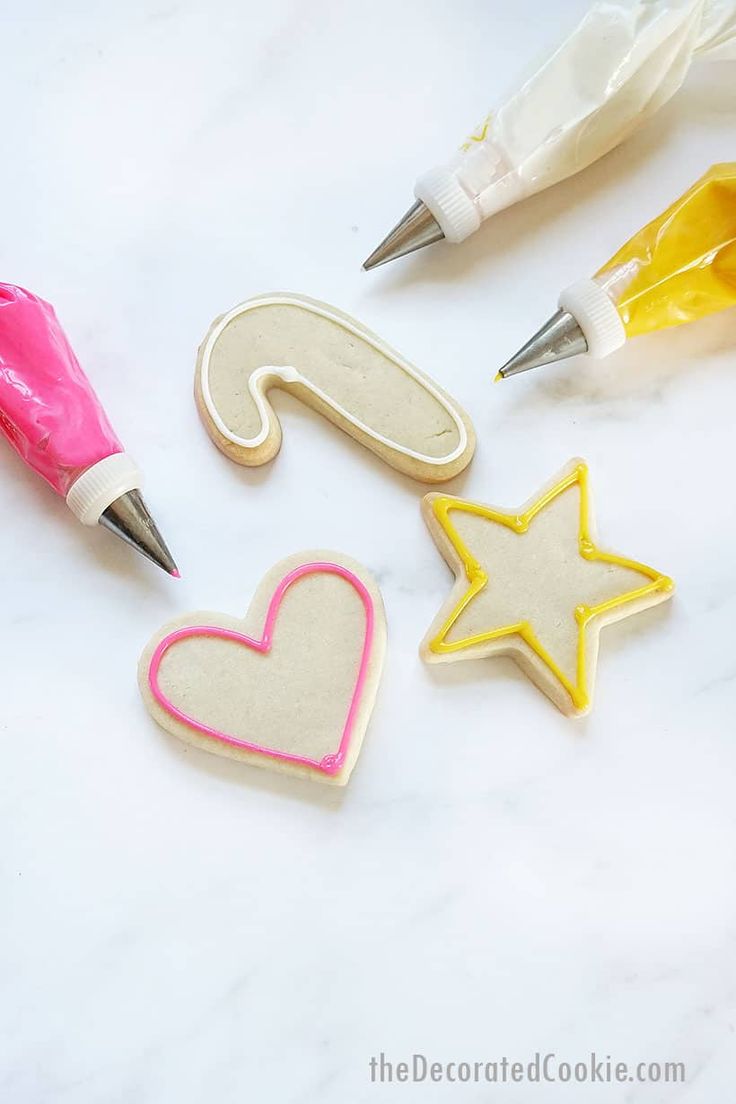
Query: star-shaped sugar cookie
[[534, 585]]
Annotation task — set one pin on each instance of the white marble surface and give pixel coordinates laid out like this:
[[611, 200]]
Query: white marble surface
[[497, 879]]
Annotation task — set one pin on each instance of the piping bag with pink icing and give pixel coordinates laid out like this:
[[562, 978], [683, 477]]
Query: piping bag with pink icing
[[54, 421]]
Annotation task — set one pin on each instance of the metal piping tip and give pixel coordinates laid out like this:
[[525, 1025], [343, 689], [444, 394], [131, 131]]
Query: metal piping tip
[[129, 519], [416, 229], [558, 339]]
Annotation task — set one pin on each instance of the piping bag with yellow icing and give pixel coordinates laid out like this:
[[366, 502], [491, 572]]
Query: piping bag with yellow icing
[[678, 268], [621, 64]]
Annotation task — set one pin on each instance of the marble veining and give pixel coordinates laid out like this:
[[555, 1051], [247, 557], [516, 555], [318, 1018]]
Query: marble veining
[[497, 879]]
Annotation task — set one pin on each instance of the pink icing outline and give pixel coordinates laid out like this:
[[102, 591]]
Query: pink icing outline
[[329, 764]]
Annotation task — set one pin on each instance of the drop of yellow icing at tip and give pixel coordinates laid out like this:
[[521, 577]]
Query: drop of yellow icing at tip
[[498, 376]]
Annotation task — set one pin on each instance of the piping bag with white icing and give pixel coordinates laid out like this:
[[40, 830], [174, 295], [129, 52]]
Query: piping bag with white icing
[[624, 60]]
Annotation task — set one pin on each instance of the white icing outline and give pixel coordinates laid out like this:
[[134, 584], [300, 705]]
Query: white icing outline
[[289, 374]]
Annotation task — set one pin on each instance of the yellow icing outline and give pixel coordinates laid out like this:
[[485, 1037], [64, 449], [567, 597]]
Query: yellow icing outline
[[519, 523], [479, 134]]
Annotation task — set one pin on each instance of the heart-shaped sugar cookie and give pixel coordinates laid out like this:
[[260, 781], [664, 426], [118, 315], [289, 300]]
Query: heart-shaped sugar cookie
[[291, 686]]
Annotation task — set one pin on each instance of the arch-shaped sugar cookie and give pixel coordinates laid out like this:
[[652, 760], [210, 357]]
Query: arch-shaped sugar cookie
[[338, 367]]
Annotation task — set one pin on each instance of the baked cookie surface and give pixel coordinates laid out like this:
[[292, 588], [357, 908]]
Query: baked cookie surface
[[335, 365], [290, 686], [533, 584]]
